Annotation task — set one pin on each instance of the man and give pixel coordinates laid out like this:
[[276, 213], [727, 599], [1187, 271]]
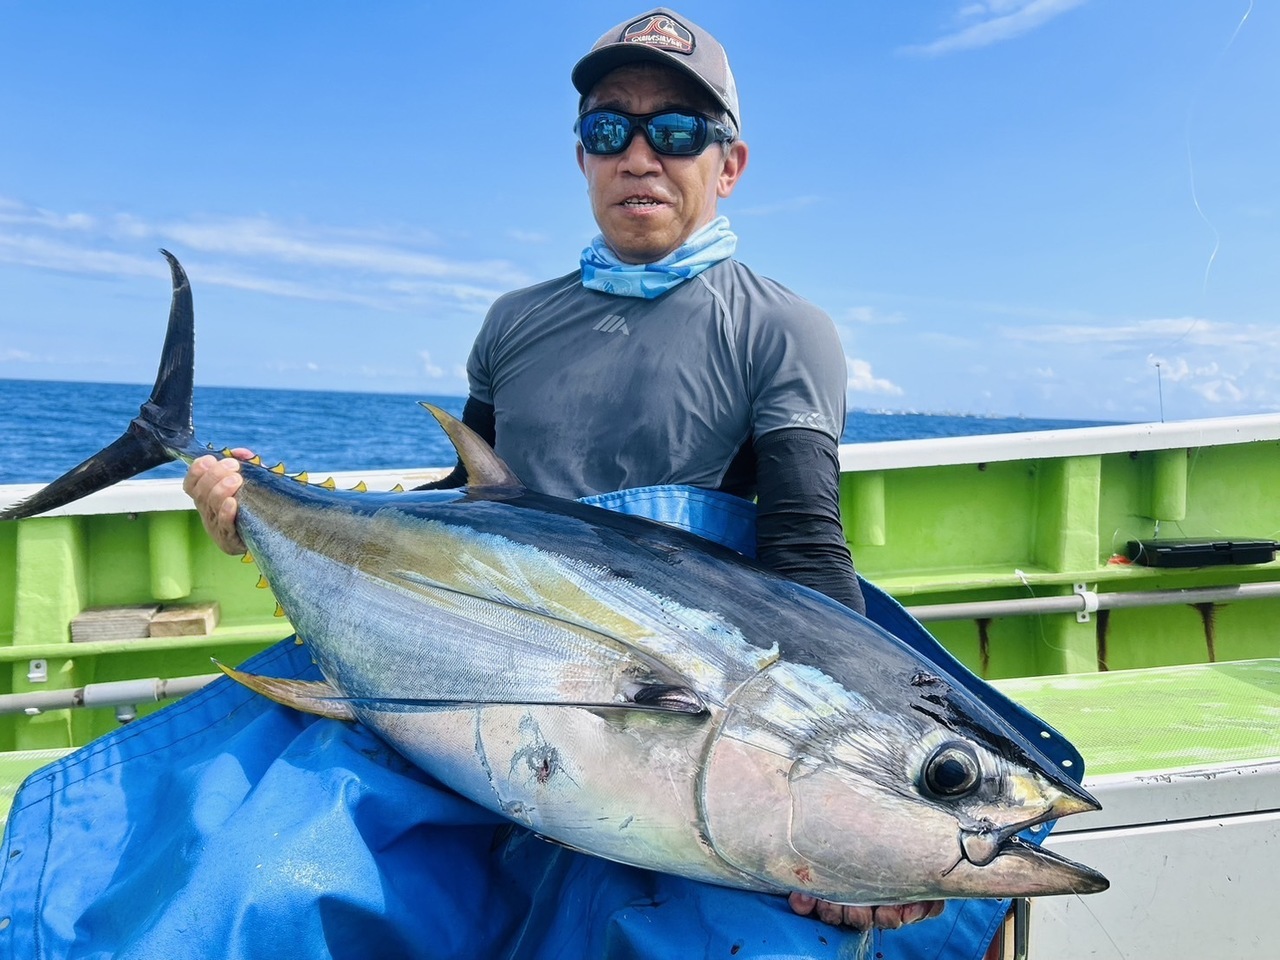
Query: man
[[661, 361]]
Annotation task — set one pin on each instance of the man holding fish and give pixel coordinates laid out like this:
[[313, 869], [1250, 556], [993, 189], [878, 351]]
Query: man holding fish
[[661, 362]]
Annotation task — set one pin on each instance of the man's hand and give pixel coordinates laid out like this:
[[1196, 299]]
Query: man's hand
[[212, 483], [885, 917]]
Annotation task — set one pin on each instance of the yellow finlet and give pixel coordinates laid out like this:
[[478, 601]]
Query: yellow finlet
[[278, 468], [329, 484], [247, 558], [298, 641], [256, 460], [262, 582], [397, 489], [226, 452], [361, 487], [279, 611]]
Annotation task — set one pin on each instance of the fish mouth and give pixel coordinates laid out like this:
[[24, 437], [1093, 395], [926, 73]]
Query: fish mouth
[[1035, 871], [983, 845], [1000, 863]]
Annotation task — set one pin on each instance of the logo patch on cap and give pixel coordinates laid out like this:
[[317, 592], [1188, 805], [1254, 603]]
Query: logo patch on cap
[[660, 31]]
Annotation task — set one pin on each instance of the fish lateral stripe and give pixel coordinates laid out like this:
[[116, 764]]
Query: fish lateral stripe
[[657, 704]]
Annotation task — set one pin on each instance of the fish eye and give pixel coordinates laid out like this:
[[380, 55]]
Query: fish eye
[[952, 772]]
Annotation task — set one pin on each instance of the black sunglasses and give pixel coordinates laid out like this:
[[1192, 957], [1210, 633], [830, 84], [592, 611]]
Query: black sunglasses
[[672, 133]]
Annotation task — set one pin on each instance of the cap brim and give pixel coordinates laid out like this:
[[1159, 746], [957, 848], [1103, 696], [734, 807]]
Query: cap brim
[[592, 68]]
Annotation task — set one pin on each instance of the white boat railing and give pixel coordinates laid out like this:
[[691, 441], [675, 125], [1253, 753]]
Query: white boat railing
[[145, 496], [1048, 444]]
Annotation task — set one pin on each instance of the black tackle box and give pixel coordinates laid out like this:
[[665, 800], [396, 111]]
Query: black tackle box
[[1201, 552]]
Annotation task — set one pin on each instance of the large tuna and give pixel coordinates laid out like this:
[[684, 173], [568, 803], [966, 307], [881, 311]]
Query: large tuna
[[627, 689]]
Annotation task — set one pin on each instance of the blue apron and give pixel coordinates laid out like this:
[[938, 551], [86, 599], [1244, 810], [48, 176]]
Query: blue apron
[[228, 826]]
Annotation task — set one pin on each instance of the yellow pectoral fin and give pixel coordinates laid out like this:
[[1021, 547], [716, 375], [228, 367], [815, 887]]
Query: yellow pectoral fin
[[309, 696]]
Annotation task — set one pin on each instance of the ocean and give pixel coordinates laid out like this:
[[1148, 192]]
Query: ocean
[[47, 426]]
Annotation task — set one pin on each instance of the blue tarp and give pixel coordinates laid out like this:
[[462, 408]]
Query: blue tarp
[[228, 826]]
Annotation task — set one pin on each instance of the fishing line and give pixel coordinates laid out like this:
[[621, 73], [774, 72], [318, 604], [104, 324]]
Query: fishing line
[[1191, 169], [1038, 618], [1195, 195], [1115, 946]]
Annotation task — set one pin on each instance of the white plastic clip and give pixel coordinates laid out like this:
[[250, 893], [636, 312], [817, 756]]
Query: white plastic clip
[[1090, 600], [38, 671]]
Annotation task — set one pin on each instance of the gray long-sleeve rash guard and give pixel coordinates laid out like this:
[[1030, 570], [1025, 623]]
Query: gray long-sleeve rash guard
[[727, 382]]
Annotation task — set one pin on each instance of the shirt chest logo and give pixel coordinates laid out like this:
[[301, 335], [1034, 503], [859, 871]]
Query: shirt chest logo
[[613, 324]]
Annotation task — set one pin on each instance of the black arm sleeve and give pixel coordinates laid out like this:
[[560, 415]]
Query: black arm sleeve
[[479, 417], [798, 531]]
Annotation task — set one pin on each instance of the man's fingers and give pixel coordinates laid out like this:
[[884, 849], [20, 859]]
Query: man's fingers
[[860, 918], [887, 917], [802, 903], [932, 908], [212, 484]]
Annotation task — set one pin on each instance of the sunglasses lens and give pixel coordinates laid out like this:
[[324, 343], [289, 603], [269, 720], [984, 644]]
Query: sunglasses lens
[[677, 134], [603, 132]]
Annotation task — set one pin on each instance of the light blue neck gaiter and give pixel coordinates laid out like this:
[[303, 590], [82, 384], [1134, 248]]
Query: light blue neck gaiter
[[603, 271]]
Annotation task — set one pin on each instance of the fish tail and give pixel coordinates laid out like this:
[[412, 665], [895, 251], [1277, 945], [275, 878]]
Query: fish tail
[[162, 430]]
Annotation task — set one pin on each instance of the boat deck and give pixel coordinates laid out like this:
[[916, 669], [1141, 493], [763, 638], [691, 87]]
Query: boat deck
[[1162, 718]]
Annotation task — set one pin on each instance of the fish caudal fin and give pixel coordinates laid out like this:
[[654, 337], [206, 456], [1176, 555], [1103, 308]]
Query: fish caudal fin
[[488, 478], [308, 696], [162, 430]]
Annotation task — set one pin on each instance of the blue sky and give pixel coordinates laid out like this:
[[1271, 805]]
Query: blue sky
[[1008, 207]]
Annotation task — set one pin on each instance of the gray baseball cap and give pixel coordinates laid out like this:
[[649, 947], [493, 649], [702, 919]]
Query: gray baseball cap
[[662, 36]]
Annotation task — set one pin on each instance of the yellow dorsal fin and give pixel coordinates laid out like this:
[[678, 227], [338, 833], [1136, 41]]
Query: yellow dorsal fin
[[397, 489], [488, 478], [262, 582], [329, 484], [302, 477], [360, 487], [278, 468]]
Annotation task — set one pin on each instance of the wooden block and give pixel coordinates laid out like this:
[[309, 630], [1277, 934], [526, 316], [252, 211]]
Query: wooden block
[[112, 623], [188, 620]]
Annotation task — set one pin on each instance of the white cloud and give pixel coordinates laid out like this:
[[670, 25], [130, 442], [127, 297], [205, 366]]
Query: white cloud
[[1161, 332], [871, 316], [1172, 370], [432, 370], [383, 270], [263, 237], [13, 213], [862, 380], [1219, 391], [528, 236], [993, 21]]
